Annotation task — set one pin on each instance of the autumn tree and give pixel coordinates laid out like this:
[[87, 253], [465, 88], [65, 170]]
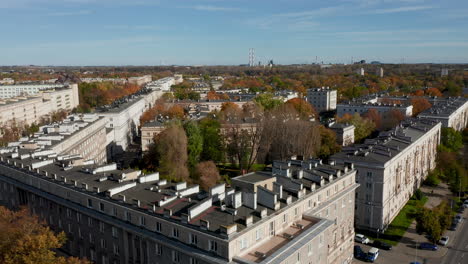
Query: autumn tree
[[392, 119], [373, 115], [433, 92], [168, 154], [207, 174], [363, 126], [267, 101], [302, 107], [419, 105], [25, 240], [328, 145]]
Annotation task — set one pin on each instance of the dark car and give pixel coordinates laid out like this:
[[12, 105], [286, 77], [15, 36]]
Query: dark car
[[381, 245], [428, 246], [358, 252], [454, 226]]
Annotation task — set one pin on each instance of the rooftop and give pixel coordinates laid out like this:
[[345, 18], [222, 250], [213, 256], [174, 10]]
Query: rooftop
[[444, 108]]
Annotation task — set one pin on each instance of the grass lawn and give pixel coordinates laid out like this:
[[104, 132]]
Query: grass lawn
[[400, 224]]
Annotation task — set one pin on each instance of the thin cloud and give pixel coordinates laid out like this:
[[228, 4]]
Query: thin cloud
[[211, 8], [401, 9], [72, 13]]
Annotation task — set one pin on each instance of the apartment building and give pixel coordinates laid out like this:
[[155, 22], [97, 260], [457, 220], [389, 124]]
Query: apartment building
[[7, 81], [140, 80], [382, 108], [390, 168], [451, 112], [322, 99], [344, 133], [27, 110], [300, 213], [82, 136], [148, 131], [9, 91], [163, 84]]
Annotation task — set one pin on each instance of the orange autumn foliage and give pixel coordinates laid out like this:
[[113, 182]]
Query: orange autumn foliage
[[419, 105]]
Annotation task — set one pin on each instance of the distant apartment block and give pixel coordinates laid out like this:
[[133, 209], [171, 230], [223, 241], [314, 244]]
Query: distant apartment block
[[322, 99], [301, 213], [77, 136], [390, 168], [139, 80], [363, 107], [163, 84], [9, 91], [7, 81], [344, 133], [360, 71], [28, 110]]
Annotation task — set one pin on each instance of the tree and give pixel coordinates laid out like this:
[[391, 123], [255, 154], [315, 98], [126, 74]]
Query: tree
[[267, 101], [212, 142], [433, 92], [419, 105], [194, 144], [393, 118], [207, 174], [328, 145], [24, 240], [363, 126], [170, 153], [451, 139], [373, 115], [303, 108], [427, 221]]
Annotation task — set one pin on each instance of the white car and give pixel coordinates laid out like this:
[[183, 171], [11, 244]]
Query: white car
[[465, 203], [361, 239], [444, 240]]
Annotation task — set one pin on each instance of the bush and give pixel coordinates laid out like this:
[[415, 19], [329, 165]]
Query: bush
[[432, 179], [418, 195]]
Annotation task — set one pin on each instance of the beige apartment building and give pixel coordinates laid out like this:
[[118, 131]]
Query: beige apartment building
[[302, 212], [390, 168], [28, 110], [148, 131]]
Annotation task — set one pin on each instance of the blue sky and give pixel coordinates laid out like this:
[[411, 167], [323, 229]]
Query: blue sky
[[208, 32]]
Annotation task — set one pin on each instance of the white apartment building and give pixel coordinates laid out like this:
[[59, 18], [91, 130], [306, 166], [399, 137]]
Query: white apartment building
[[344, 133], [82, 136], [28, 110], [322, 99], [9, 91], [7, 81], [452, 112], [163, 84], [390, 168], [302, 212], [381, 108]]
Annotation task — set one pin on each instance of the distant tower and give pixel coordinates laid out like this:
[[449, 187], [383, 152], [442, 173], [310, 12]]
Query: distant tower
[[360, 71], [379, 72], [251, 57], [444, 72]]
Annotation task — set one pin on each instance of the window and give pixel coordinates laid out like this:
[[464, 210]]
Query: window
[[101, 227], [101, 206], [92, 254], [103, 243], [193, 239], [175, 256], [321, 240], [90, 221], [78, 217], [128, 216], [309, 249], [115, 232], [90, 203], [243, 243], [91, 238], [193, 261], [80, 235], [69, 213], [115, 249], [158, 227], [114, 211], [158, 249], [258, 234], [175, 232], [213, 246], [298, 258], [296, 211], [142, 221], [285, 218], [310, 204]]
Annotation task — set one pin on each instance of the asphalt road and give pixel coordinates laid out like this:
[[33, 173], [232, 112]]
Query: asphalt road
[[458, 252]]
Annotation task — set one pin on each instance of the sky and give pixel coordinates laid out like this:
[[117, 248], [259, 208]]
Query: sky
[[220, 32]]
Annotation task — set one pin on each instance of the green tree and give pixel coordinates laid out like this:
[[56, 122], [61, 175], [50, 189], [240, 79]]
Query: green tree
[[267, 101], [427, 221], [451, 139], [212, 140], [363, 126], [194, 142], [328, 144]]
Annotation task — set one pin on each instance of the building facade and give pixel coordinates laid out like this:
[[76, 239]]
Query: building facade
[[322, 99], [148, 132], [451, 112], [344, 133], [300, 213], [390, 168], [362, 108], [9, 91]]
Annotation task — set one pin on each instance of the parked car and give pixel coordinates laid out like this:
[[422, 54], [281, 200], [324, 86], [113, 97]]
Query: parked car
[[361, 239], [415, 262], [465, 203], [359, 253], [444, 240], [428, 246], [458, 218], [381, 245], [454, 226], [373, 254]]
